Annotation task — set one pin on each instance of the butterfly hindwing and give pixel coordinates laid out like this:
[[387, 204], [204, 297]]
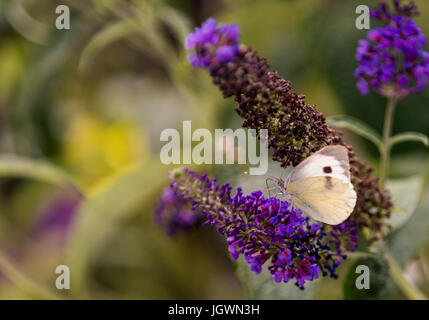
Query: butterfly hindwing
[[326, 199]]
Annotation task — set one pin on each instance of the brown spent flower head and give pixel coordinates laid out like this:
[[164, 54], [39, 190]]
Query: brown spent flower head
[[296, 129]]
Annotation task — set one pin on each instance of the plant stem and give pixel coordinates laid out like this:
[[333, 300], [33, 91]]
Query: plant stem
[[387, 130], [411, 291], [22, 281]]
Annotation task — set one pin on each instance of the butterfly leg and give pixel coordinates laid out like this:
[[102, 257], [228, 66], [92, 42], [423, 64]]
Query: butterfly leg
[[270, 188]]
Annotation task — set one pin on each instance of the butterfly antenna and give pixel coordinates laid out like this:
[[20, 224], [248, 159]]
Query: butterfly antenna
[[288, 158], [284, 169], [268, 189]]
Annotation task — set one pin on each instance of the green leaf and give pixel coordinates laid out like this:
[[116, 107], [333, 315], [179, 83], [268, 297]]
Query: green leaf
[[378, 278], [18, 17], [36, 85], [356, 126], [406, 194], [30, 287], [263, 287], [20, 167], [406, 240], [145, 25], [409, 136], [100, 216], [102, 39]]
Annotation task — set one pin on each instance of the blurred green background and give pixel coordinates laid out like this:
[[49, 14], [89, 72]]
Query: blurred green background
[[81, 111]]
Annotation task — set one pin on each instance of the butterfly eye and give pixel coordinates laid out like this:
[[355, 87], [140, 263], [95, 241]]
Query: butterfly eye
[[327, 169]]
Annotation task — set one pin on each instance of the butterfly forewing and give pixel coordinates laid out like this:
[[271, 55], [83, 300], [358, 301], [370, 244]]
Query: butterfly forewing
[[330, 161]]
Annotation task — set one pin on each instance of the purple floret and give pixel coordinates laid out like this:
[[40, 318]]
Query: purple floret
[[393, 61], [213, 44]]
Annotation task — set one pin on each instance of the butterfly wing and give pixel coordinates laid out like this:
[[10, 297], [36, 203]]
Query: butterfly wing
[[326, 199], [330, 161]]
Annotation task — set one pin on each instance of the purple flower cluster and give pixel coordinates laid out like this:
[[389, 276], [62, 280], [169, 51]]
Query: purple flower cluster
[[382, 12], [296, 129], [213, 43], [264, 229], [267, 230], [392, 61], [174, 214]]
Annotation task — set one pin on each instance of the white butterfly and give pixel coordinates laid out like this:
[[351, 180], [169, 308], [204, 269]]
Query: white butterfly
[[320, 186]]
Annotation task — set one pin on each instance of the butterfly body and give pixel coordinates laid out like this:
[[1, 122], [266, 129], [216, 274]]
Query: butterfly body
[[320, 186]]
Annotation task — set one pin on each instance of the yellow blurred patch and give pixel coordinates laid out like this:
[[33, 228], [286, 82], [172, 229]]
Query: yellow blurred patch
[[96, 149]]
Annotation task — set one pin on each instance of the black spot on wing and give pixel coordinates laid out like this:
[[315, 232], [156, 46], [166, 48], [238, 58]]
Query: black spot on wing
[[340, 154], [327, 169]]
